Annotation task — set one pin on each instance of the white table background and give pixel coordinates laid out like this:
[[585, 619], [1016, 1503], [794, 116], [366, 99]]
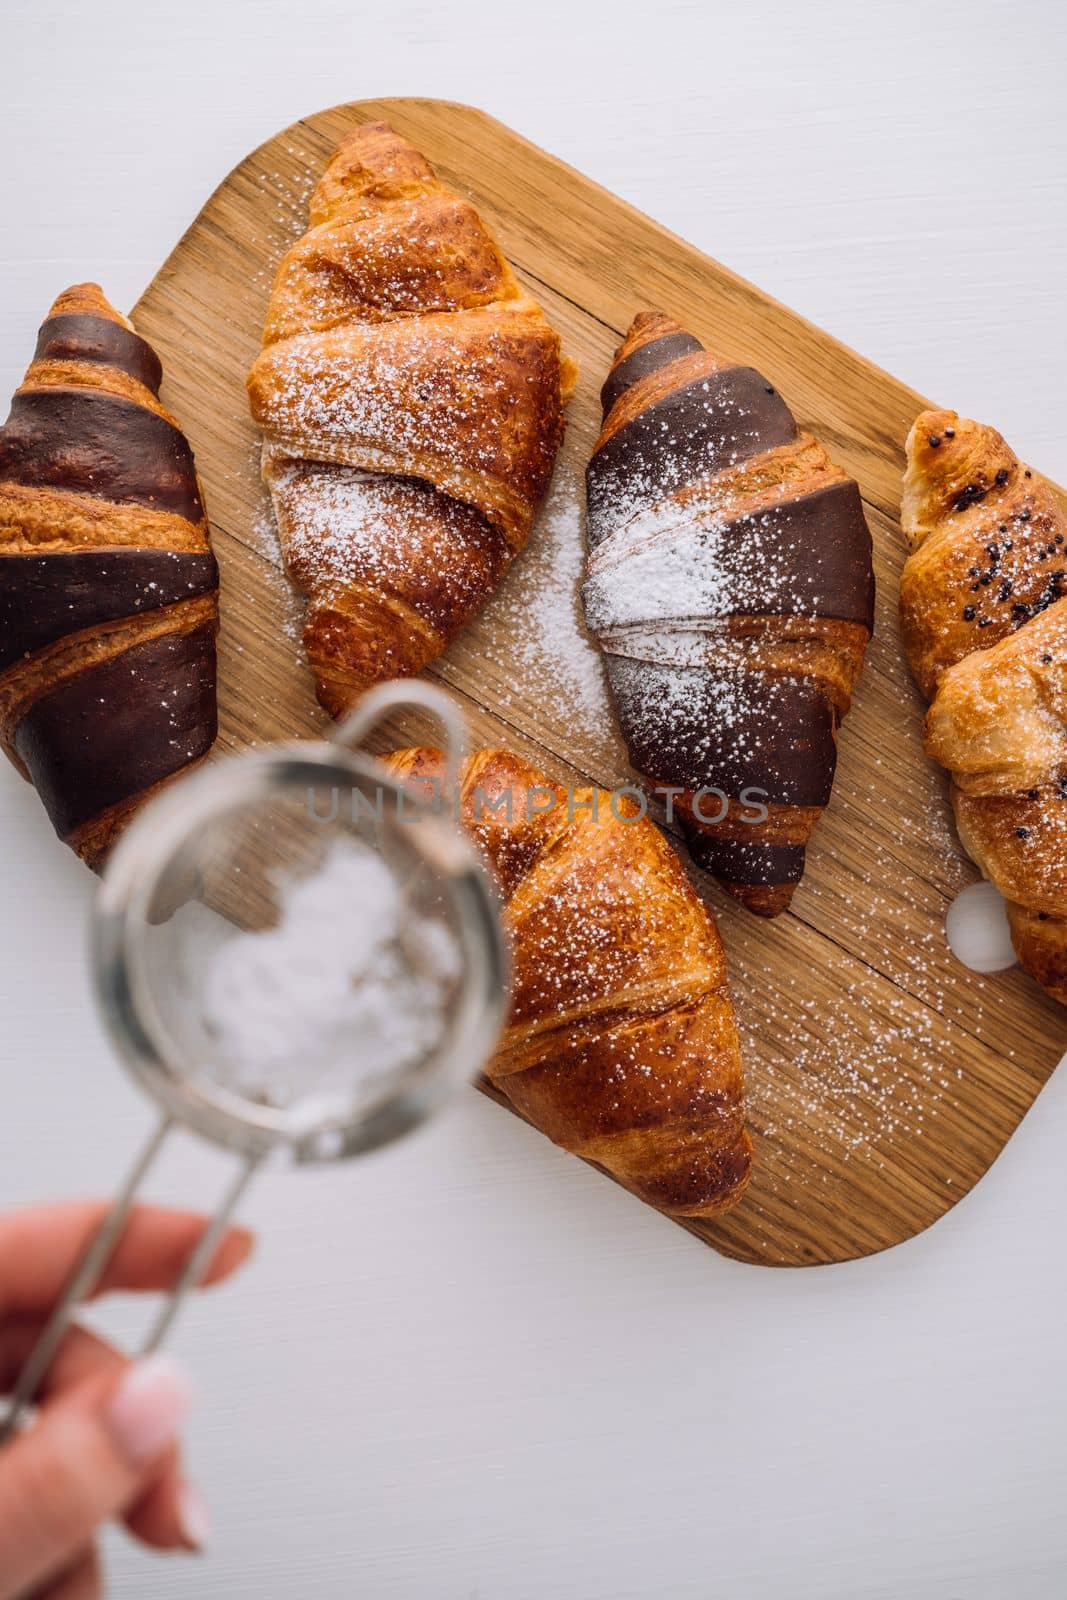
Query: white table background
[[470, 1367]]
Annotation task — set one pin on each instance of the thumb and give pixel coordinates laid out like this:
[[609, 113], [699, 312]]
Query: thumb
[[83, 1461]]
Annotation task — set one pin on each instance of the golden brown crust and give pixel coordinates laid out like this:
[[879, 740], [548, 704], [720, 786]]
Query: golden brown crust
[[69, 374], [646, 328], [371, 164], [381, 608], [42, 518], [399, 343], [86, 299], [999, 719], [986, 635], [621, 1044], [1018, 840], [1040, 940], [980, 524]]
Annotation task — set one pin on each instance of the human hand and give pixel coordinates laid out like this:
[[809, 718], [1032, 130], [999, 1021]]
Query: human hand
[[104, 1443]]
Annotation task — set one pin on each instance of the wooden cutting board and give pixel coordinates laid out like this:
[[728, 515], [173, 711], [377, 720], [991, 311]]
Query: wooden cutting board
[[883, 1078]]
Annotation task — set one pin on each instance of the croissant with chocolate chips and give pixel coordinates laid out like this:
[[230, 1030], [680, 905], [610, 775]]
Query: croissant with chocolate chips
[[621, 1045], [410, 394], [108, 587], [730, 585], [983, 602]]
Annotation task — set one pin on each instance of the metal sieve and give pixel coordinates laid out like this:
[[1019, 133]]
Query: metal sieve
[[205, 861]]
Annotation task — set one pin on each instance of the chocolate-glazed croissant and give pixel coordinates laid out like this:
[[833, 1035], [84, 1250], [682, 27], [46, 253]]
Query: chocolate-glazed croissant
[[108, 587], [730, 585]]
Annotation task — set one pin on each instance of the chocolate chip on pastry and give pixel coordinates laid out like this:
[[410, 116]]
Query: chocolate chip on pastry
[[983, 601]]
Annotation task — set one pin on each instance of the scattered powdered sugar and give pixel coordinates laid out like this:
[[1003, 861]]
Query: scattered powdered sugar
[[426, 394], [335, 525], [690, 705], [283, 212], [729, 435], [843, 1079], [670, 566], [348, 989], [693, 560], [539, 608], [263, 538], [393, 260], [343, 527], [867, 1051], [861, 1069]]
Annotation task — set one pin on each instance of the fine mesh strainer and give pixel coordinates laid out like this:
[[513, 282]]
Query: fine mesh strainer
[[206, 862]]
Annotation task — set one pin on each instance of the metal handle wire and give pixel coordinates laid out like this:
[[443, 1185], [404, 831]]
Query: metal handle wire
[[410, 694], [93, 1263]]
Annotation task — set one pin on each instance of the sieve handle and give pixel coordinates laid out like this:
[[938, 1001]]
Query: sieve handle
[[412, 694], [202, 1256], [82, 1281], [90, 1268]]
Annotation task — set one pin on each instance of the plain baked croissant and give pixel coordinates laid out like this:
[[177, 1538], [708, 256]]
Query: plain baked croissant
[[984, 612], [621, 1045], [410, 394], [108, 587], [729, 582]]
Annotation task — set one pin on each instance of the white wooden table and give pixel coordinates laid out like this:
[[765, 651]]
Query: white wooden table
[[469, 1367]]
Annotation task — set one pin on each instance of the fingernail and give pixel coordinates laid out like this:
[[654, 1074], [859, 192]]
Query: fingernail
[[246, 1239], [148, 1406], [194, 1523]]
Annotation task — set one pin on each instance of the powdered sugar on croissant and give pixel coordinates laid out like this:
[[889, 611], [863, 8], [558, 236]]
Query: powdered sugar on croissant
[[729, 583], [621, 1044], [410, 394]]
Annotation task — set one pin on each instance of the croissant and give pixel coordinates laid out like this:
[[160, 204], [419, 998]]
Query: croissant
[[621, 1045], [983, 603], [108, 587], [729, 582], [410, 394]]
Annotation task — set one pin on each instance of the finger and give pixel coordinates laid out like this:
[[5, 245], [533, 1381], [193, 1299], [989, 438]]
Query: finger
[[169, 1514], [40, 1247], [81, 1355], [83, 1581], [90, 1456]]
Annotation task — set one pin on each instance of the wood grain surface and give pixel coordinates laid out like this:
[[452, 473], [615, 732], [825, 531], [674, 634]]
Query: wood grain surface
[[883, 1078]]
